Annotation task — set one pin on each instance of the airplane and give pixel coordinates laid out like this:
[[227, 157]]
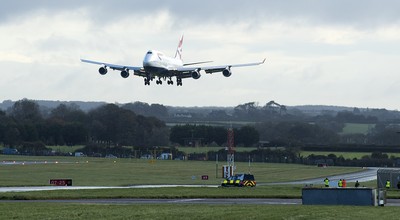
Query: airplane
[[157, 65]]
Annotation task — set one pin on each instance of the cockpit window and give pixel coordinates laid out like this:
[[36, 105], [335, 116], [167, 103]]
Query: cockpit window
[[150, 52]]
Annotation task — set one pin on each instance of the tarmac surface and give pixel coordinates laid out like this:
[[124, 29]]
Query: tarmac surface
[[207, 201], [368, 174], [194, 201]]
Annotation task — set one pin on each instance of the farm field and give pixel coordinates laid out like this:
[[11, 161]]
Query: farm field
[[355, 128]]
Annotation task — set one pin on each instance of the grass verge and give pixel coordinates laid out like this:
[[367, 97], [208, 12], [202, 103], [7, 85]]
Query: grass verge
[[160, 193], [177, 211]]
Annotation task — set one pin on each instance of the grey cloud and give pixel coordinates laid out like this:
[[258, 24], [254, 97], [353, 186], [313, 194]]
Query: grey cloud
[[360, 13]]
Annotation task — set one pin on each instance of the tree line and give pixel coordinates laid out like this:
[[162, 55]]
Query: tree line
[[68, 125], [25, 126]]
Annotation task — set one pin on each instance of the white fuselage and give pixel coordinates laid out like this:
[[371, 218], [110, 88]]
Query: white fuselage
[[156, 63]]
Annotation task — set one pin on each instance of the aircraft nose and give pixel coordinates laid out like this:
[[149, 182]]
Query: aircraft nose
[[147, 60]]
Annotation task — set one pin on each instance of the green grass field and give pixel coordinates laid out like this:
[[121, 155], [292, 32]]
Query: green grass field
[[120, 172], [189, 150], [65, 149], [345, 155], [177, 211], [86, 171], [355, 128], [284, 191]]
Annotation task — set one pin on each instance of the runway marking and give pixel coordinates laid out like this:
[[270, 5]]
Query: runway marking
[[185, 200]]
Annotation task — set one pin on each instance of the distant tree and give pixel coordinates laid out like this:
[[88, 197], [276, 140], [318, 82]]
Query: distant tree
[[218, 135], [142, 108], [350, 117], [179, 133], [33, 148], [379, 155], [4, 123], [208, 134], [296, 133], [247, 111], [70, 113], [247, 136], [218, 115], [385, 135], [159, 111], [26, 111], [74, 133], [118, 126], [52, 132], [106, 123], [12, 136]]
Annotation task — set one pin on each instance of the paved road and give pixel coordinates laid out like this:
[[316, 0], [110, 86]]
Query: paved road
[[198, 201], [169, 201], [46, 188]]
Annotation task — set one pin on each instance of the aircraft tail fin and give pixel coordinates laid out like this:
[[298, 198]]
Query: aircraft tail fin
[[178, 54]]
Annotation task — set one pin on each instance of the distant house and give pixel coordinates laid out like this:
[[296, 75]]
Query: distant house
[[165, 156], [183, 115], [146, 156], [79, 154]]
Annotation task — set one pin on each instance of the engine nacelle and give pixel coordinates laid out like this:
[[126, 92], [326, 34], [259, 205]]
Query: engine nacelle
[[227, 72], [103, 70], [124, 74], [196, 74]]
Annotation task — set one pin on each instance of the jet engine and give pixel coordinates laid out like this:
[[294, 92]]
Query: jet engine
[[103, 70], [196, 74], [124, 74], [227, 72]]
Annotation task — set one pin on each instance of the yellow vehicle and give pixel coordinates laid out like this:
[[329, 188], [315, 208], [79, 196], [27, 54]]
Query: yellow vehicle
[[230, 181]]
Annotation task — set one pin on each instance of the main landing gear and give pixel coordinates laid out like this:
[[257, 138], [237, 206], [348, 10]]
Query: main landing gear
[[146, 81], [159, 81], [179, 81]]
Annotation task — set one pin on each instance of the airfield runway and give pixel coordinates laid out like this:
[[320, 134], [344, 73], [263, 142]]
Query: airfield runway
[[195, 201], [367, 174], [207, 201]]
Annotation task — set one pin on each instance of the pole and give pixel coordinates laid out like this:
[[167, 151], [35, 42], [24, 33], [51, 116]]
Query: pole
[[216, 166], [249, 164]]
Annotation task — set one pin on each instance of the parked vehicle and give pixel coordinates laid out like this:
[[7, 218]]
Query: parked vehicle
[[240, 180]]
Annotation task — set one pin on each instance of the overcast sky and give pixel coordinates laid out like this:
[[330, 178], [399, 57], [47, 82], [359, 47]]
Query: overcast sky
[[338, 52]]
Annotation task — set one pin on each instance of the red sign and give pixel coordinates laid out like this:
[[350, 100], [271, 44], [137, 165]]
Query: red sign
[[204, 177], [61, 182]]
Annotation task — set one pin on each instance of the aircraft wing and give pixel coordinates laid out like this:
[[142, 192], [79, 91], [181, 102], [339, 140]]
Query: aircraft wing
[[186, 71], [214, 69], [114, 66]]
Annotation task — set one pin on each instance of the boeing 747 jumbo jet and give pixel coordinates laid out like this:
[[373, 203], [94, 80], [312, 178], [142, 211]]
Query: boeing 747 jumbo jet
[[158, 66]]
